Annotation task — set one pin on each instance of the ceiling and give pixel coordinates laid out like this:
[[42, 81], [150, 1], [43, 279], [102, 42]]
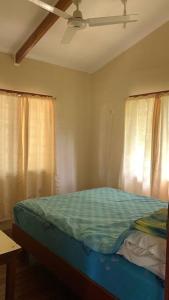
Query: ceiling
[[91, 48]]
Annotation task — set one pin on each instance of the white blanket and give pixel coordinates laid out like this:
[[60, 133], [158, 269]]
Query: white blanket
[[146, 251]]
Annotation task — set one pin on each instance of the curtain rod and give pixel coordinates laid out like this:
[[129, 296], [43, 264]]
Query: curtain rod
[[152, 93], [24, 93]]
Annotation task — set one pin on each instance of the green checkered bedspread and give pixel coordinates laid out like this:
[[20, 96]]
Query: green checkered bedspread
[[99, 218]]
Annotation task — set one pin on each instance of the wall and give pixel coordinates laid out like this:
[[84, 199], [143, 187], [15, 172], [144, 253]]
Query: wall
[[90, 133], [143, 68], [72, 92]]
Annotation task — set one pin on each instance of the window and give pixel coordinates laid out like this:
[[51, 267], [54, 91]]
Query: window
[[146, 146], [27, 149]]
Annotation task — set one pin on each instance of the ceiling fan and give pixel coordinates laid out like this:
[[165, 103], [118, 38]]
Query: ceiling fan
[[76, 21]]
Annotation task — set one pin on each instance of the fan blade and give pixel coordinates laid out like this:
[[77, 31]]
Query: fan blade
[[111, 20], [69, 35], [51, 9]]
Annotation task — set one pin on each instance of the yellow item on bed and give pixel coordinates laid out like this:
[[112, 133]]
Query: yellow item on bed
[[154, 224]]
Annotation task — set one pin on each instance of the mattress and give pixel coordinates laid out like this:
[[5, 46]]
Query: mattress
[[97, 217], [118, 276]]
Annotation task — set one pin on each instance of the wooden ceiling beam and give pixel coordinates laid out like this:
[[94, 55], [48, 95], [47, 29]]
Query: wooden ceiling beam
[[40, 31]]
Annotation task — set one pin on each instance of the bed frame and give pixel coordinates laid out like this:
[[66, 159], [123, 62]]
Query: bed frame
[[80, 284], [75, 280]]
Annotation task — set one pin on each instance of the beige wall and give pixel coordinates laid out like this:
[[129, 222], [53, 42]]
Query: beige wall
[[90, 108], [72, 92], [143, 68]]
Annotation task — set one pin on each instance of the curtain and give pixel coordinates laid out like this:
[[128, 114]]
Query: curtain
[[145, 168], [160, 187], [27, 149], [136, 172]]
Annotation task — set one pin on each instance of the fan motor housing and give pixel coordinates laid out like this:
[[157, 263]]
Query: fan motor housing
[[78, 23], [77, 20]]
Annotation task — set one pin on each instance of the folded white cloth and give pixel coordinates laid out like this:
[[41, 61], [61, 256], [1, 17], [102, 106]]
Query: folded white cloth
[[146, 251]]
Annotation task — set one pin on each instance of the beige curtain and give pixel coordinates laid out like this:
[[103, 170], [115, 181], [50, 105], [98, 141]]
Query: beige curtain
[[136, 170], [27, 150], [160, 186], [145, 168]]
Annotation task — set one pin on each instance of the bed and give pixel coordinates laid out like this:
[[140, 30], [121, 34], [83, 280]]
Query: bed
[[66, 234]]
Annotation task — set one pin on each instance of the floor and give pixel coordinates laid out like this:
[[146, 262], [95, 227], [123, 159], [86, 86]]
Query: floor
[[33, 282]]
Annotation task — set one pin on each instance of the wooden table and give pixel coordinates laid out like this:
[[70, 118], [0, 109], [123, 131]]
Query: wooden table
[[8, 254]]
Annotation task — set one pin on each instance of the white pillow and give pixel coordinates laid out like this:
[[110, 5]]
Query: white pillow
[[146, 251]]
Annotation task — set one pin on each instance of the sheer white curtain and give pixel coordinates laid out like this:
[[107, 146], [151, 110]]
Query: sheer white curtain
[[27, 149], [136, 170], [145, 167]]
